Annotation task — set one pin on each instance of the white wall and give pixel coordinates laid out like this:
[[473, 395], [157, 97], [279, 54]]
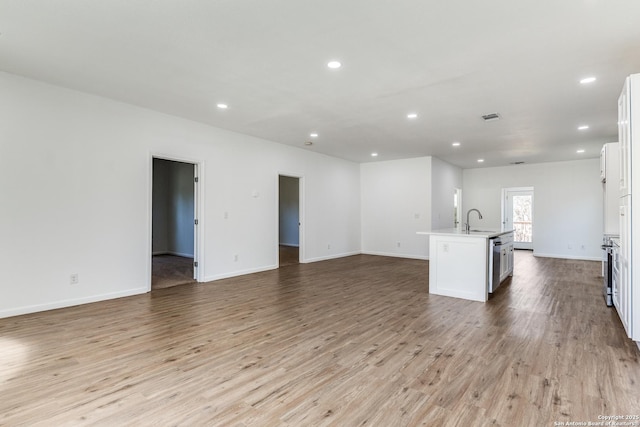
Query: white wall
[[82, 203], [567, 204], [396, 203], [289, 200], [445, 178]]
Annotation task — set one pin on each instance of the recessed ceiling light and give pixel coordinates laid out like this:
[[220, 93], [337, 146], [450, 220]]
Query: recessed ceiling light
[[455, 144], [480, 160], [588, 80], [412, 115], [583, 127], [308, 143], [313, 135], [334, 64], [374, 154], [580, 151], [223, 106]]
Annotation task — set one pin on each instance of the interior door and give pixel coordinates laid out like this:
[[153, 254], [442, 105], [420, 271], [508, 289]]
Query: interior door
[[196, 221], [289, 220], [174, 225], [518, 215]]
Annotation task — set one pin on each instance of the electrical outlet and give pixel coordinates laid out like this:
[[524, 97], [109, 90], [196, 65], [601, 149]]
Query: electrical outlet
[[445, 247], [235, 258], [398, 244], [582, 247], [74, 279], [329, 246]]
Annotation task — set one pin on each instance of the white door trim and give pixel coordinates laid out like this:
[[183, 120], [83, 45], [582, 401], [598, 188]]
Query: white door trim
[[198, 244], [301, 218], [504, 205]]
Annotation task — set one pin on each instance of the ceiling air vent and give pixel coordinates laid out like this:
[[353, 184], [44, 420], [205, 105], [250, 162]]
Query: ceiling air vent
[[490, 117]]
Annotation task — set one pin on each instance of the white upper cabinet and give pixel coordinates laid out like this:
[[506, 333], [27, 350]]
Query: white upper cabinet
[[603, 164], [610, 167], [624, 138]]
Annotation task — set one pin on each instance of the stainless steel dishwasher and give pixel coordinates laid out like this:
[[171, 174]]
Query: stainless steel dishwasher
[[501, 260]]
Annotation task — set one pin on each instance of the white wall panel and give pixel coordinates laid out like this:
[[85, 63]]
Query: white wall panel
[[396, 203]]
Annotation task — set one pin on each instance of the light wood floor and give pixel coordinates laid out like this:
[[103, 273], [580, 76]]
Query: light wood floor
[[348, 342]]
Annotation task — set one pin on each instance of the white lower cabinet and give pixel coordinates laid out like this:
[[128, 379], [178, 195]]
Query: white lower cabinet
[[622, 298], [506, 263]]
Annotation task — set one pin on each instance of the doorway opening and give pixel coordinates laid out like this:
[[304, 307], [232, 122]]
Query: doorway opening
[[173, 223], [289, 220], [457, 207], [517, 215]]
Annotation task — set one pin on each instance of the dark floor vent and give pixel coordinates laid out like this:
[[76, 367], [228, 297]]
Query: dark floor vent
[[491, 117]]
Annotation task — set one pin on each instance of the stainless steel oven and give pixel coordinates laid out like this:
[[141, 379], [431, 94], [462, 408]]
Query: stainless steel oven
[[608, 268], [615, 270]]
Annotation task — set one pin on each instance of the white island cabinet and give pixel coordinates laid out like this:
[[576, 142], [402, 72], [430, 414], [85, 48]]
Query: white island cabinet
[[461, 264]]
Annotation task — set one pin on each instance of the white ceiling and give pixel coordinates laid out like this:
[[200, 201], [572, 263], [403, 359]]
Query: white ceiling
[[448, 61]]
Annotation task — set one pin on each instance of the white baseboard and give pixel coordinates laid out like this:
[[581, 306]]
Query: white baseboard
[[70, 302], [395, 255], [563, 256], [173, 253], [239, 273], [181, 254], [328, 257]]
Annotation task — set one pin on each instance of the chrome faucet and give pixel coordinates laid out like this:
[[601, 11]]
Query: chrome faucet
[[467, 226]]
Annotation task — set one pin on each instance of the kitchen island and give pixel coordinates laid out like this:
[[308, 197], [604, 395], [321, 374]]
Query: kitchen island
[[463, 264]]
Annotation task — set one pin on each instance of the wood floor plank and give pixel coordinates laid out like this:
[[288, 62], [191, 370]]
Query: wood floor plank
[[346, 342]]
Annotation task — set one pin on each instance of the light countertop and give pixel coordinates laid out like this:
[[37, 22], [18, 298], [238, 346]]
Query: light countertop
[[475, 232]]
